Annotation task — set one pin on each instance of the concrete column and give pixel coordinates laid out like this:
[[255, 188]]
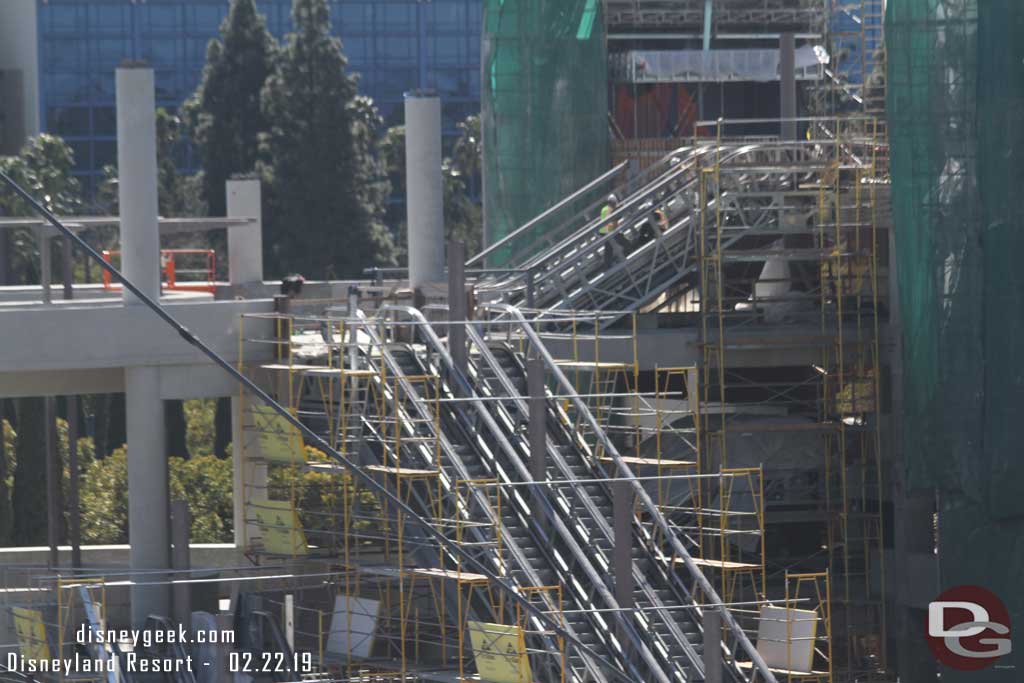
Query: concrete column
[[181, 521], [622, 555], [787, 84], [712, 646], [245, 242], [425, 191], [148, 510], [457, 304], [67, 268], [137, 179], [45, 264]]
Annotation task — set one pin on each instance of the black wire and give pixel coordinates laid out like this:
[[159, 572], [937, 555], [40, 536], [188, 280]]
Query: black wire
[[372, 483]]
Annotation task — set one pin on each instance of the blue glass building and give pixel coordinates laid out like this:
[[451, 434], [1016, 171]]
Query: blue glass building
[[395, 46]]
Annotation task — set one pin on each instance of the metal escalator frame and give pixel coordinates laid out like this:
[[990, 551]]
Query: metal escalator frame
[[582, 245], [579, 555], [555, 456], [588, 246], [650, 175], [574, 251], [590, 658], [641, 494], [533, 222]]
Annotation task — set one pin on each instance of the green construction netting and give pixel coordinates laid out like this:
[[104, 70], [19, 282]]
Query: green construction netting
[[956, 126], [545, 107]]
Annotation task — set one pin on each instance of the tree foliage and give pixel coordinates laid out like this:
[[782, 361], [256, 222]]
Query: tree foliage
[[325, 189], [224, 117], [204, 481], [43, 168], [28, 498], [7, 461]]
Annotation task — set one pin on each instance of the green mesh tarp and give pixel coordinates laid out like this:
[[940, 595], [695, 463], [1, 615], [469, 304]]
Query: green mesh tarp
[[544, 106], [956, 129], [956, 109]]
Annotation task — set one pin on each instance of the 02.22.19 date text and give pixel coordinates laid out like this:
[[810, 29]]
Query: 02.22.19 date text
[[270, 662]]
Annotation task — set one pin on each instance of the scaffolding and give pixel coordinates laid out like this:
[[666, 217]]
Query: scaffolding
[[802, 286], [399, 605]]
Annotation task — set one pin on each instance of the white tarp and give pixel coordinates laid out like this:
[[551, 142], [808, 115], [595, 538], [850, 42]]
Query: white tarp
[[352, 626], [715, 66], [785, 638]]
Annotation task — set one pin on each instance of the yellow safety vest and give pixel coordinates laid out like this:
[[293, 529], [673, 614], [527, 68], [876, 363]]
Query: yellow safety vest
[[605, 212]]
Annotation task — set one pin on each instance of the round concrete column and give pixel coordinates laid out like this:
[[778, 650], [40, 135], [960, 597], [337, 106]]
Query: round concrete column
[[148, 510], [137, 179], [425, 191]]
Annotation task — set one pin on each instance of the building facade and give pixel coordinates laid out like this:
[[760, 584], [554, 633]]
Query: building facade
[[394, 45]]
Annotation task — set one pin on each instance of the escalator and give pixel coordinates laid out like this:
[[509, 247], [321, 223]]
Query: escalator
[[661, 602], [731, 188], [524, 546], [558, 547], [666, 580]]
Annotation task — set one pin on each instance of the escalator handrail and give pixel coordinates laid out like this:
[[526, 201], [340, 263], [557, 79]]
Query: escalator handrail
[[479, 258]]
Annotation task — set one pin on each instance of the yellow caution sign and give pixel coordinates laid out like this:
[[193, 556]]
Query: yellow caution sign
[[279, 440], [500, 652], [279, 527], [28, 624]]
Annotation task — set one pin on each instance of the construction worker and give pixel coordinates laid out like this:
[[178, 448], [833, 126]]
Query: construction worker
[[609, 226], [647, 233]]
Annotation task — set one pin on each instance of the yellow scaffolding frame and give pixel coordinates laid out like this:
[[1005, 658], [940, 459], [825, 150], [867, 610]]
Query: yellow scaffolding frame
[[846, 236]]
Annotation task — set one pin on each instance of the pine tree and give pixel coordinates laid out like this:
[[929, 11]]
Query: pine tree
[[325, 201], [223, 115]]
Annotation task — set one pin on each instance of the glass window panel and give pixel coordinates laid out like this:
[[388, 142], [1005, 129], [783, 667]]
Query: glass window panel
[[447, 50], [68, 120], [357, 48], [197, 48], [104, 153], [80, 149], [451, 81], [207, 17], [352, 16], [101, 85], [396, 49], [394, 81], [64, 53], [162, 51], [446, 16], [162, 18], [65, 88], [391, 18], [111, 17], [104, 120], [110, 52], [63, 17]]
